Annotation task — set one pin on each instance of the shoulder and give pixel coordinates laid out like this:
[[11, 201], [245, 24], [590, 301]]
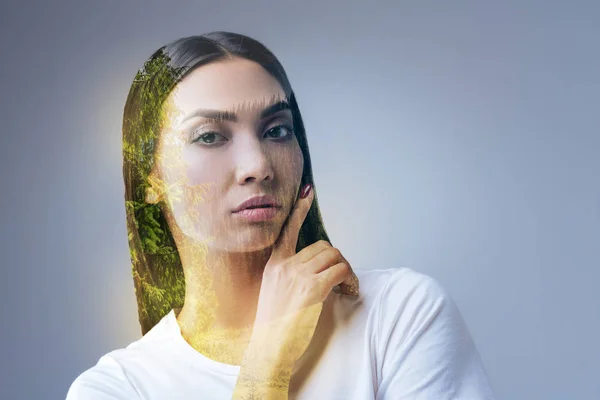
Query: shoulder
[[408, 305], [110, 377], [410, 301], [395, 286], [410, 287], [403, 302], [423, 342], [105, 380]]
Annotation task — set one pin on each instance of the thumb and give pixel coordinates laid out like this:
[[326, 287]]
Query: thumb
[[285, 245]]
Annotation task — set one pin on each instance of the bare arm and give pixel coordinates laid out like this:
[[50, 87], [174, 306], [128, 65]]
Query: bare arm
[[275, 347], [261, 379]]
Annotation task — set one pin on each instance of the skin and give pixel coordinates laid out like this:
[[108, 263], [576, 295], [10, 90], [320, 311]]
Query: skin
[[200, 183]]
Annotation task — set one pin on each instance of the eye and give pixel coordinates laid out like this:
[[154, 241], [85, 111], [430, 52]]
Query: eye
[[279, 128], [282, 132], [207, 138]]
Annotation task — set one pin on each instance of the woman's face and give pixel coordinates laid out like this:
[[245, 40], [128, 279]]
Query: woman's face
[[208, 166]]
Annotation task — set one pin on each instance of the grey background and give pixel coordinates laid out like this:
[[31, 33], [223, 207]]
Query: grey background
[[460, 139]]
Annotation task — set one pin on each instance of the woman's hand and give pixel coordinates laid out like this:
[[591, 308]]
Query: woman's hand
[[294, 286]]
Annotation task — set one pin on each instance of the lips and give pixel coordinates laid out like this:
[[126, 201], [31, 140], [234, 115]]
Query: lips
[[263, 201]]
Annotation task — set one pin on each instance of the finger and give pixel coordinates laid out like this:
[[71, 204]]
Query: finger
[[323, 260], [309, 252], [323, 256], [335, 275], [285, 245], [350, 285]]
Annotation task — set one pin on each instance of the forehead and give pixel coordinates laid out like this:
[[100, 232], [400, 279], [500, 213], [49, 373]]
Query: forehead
[[233, 84]]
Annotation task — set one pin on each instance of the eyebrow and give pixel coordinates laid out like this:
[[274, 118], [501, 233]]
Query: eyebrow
[[231, 116]]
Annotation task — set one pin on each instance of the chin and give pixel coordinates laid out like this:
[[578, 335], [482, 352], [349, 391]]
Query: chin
[[260, 243], [244, 248], [246, 243]]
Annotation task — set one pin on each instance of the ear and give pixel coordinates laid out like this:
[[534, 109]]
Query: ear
[[152, 197], [154, 192]]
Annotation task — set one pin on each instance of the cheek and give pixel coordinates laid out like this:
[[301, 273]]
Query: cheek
[[288, 168], [194, 187], [201, 182], [300, 161], [203, 176], [294, 162], [199, 170]]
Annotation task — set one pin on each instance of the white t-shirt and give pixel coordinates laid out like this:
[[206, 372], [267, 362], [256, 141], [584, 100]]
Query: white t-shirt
[[402, 338]]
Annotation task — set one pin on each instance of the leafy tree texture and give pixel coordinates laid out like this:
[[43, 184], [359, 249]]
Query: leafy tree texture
[[158, 277]]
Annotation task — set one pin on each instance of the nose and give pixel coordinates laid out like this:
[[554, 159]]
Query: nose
[[253, 162]]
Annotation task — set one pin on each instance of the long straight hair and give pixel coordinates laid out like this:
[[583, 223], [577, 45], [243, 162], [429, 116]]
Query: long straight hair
[[155, 264]]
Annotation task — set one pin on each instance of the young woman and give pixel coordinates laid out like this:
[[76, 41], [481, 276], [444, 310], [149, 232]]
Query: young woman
[[240, 292]]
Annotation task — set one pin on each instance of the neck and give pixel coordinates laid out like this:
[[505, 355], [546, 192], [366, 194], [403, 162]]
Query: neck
[[221, 298]]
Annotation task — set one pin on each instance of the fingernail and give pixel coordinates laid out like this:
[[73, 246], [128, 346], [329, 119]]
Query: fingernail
[[305, 191]]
